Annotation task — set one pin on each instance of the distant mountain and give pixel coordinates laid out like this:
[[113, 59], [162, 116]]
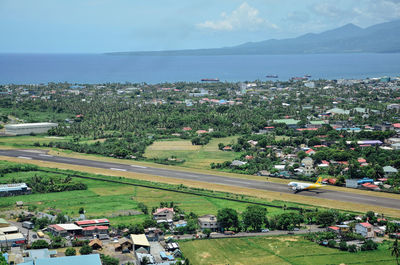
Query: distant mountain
[[380, 38]]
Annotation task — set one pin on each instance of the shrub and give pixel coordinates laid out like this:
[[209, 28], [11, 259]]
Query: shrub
[[343, 246], [352, 248], [40, 244], [331, 243], [85, 250], [70, 252]]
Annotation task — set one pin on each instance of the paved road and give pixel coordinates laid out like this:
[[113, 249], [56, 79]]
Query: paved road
[[212, 179]]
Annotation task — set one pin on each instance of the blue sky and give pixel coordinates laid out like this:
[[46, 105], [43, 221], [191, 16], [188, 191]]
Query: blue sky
[[91, 26]]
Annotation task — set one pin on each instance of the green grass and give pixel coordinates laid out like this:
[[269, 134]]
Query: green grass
[[276, 250], [28, 141], [104, 199], [199, 157]]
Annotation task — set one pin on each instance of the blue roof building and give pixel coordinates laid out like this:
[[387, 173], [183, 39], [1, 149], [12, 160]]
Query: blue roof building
[[93, 259]]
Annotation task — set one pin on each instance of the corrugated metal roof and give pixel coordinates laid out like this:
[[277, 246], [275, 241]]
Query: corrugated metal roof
[[140, 240]]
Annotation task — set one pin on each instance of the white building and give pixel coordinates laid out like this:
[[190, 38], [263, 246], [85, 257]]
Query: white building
[[365, 229], [208, 221], [28, 128]]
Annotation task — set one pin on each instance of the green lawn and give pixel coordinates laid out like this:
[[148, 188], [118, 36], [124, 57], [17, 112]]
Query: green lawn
[[103, 199], [276, 250], [28, 141], [199, 157]]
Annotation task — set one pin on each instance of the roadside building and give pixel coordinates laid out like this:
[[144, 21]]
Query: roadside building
[[35, 254], [208, 221], [92, 259], [8, 230], [139, 241], [164, 214], [124, 245], [308, 163], [28, 128], [95, 230], [14, 239], [365, 229], [65, 230], [96, 244]]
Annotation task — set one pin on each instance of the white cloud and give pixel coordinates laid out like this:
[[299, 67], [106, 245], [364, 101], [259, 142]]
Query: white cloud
[[244, 17]]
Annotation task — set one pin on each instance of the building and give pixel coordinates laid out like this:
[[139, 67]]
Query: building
[[28, 128], [28, 225], [96, 244], [92, 259], [123, 245], [3, 223], [308, 166], [95, 230], [208, 221], [365, 229], [164, 214], [14, 189], [389, 171], [65, 230], [14, 239], [140, 241], [8, 230], [352, 183], [35, 254], [94, 222]]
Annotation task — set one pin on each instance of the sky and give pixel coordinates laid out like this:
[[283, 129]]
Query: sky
[[96, 26]]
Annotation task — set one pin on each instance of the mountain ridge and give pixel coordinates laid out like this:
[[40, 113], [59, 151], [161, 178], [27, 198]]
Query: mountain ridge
[[349, 38]]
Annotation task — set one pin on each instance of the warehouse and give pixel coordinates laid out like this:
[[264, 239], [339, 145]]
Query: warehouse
[[28, 128], [14, 189], [12, 239], [65, 230]]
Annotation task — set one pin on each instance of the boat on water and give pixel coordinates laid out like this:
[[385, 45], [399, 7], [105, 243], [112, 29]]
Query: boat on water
[[272, 76], [307, 76], [210, 80]]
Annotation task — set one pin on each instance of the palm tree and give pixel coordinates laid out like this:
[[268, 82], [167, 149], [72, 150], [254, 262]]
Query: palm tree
[[396, 250]]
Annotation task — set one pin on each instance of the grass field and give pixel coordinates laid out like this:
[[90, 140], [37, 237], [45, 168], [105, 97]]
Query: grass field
[[28, 141], [276, 250], [199, 157], [112, 200]]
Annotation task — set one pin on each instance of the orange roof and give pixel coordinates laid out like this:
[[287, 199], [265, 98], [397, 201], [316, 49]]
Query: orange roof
[[366, 224], [310, 151], [159, 210]]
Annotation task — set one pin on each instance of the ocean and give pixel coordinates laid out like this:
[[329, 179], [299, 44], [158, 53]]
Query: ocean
[[102, 68]]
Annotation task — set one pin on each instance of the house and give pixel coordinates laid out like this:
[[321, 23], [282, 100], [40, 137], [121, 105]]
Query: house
[[352, 183], [334, 229], [208, 221], [390, 171], [308, 166], [139, 241], [227, 148], [140, 257], [123, 244], [65, 230], [34, 254], [238, 163], [310, 152], [365, 229], [164, 214], [96, 244]]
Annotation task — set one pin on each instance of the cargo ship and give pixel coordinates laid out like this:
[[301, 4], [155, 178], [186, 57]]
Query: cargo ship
[[210, 80], [272, 76]]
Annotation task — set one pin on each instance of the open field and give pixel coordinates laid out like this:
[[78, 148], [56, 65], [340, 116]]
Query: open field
[[199, 157], [112, 200], [28, 141], [261, 194], [276, 250]]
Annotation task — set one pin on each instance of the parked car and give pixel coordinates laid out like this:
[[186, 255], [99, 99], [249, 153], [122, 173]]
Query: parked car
[[296, 229], [265, 230]]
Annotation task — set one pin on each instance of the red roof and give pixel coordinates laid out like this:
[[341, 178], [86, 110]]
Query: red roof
[[366, 224], [201, 131], [319, 146], [325, 162], [334, 228], [369, 185], [100, 227], [361, 160], [269, 127], [159, 210], [396, 125], [57, 227], [343, 162], [307, 129], [92, 222], [310, 151], [187, 128], [332, 181]]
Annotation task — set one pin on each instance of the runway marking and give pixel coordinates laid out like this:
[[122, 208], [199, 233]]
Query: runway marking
[[138, 166], [117, 169], [46, 155], [24, 157]]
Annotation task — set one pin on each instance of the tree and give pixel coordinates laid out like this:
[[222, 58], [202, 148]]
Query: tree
[[108, 260], [2, 259], [81, 210], [325, 218], [85, 250], [343, 245], [254, 217], [228, 218], [396, 250], [70, 252], [207, 232], [40, 244], [331, 243], [369, 245], [60, 219], [352, 248]]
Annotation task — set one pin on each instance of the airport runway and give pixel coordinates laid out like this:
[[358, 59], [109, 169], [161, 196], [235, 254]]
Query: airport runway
[[212, 179]]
